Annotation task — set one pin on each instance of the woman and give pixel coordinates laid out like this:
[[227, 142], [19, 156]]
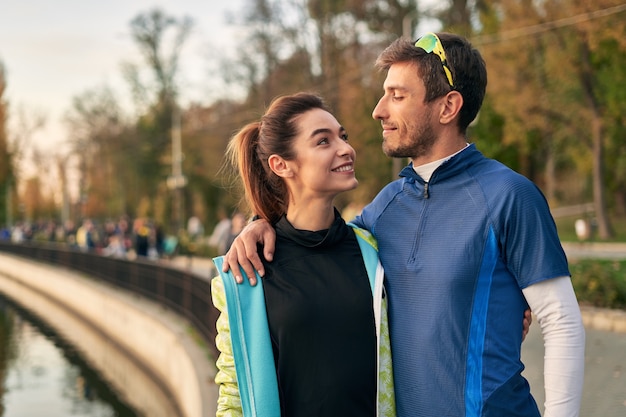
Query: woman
[[310, 340]]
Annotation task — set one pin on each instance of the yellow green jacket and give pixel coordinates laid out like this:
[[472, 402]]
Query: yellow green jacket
[[246, 372]]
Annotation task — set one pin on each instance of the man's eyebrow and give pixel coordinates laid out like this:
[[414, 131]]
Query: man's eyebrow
[[395, 88]]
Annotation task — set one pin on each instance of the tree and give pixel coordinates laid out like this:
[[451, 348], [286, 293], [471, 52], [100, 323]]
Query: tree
[[544, 83], [150, 32], [13, 150], [6, 162], [609, 63], [160, 39], [104, 147], [207, 130]]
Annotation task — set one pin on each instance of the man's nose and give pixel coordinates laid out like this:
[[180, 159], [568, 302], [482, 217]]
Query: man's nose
[[379, 111]]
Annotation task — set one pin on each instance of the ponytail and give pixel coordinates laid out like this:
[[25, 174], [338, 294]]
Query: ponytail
[[264, 192]]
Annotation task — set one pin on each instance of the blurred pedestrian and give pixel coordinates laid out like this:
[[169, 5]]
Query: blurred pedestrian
[[219, 237], [237, 223]]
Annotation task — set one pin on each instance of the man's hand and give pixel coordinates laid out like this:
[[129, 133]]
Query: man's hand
[[243, 251], [528, 319]]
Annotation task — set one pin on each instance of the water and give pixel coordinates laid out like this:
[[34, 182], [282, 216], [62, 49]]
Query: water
[[43, 375]]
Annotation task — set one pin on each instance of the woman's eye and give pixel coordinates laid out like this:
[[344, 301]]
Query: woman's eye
[[323, 141], [344, 137]]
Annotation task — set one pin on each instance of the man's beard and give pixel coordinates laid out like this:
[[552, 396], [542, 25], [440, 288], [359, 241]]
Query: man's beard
[[420, 143]]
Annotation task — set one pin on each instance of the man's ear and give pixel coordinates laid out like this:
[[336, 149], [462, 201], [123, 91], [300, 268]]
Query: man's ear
[[451, 106], [279, 166]]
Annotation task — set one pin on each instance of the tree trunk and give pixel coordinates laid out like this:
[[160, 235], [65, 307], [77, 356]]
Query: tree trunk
[[597, 132], [550, 174], [599, 200]]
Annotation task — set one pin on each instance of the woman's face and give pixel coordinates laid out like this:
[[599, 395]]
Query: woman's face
[[324, 163]]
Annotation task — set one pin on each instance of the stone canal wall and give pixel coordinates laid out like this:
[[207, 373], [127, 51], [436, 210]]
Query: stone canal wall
[[144, 351]]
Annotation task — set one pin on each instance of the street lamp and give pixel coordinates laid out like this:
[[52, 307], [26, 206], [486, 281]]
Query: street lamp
[[177, 181]]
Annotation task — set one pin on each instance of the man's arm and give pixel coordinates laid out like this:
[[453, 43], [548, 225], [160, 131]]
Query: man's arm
[[243, 251], [554, 303]]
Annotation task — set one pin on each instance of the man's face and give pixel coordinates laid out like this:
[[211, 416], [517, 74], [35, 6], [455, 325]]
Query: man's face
[[407, 121]]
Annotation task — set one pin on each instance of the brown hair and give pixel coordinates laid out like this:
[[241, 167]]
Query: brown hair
[[468, 68], [249, 150]]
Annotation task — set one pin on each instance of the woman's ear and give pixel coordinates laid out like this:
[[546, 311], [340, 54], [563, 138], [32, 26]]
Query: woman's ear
[[279, 166]]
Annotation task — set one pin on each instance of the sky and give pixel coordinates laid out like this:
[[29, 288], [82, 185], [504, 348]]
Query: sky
[[55, 50]]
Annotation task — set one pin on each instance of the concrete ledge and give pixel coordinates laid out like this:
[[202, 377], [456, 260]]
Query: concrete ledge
[[151, 335], [604, 319], [595, 250]]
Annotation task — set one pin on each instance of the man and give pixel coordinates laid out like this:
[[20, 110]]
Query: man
[[467, 244]]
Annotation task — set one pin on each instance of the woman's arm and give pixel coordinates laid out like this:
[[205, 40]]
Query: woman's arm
[[554, 303], [229, 401]]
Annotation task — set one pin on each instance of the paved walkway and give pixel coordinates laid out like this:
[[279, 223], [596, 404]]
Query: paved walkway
[[203, 267], [604, 391]]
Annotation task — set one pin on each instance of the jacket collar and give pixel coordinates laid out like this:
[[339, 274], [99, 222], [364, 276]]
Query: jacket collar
[[452, 167]]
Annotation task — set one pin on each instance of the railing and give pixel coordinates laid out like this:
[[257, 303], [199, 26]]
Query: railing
[[182, 291], [585, 209]]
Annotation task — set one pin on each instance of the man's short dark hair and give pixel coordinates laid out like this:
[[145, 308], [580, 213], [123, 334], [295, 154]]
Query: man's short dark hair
[[469, 72]]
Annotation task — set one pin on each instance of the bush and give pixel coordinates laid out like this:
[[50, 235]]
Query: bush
[[600, 283]]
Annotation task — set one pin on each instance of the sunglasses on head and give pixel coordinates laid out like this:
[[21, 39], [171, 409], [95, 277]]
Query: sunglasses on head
[[432, 44]]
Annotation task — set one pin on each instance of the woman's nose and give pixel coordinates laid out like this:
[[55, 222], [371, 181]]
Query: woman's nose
[[346, 149]]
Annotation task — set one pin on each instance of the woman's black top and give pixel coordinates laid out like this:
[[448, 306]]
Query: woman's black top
[[319, 308]]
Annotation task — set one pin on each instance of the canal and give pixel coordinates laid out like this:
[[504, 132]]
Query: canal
[[41, 374]]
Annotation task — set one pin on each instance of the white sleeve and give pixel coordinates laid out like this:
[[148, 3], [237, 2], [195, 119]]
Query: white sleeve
[[554, 304]]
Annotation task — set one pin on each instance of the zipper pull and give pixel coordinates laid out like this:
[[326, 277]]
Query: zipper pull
[[426, 190]]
